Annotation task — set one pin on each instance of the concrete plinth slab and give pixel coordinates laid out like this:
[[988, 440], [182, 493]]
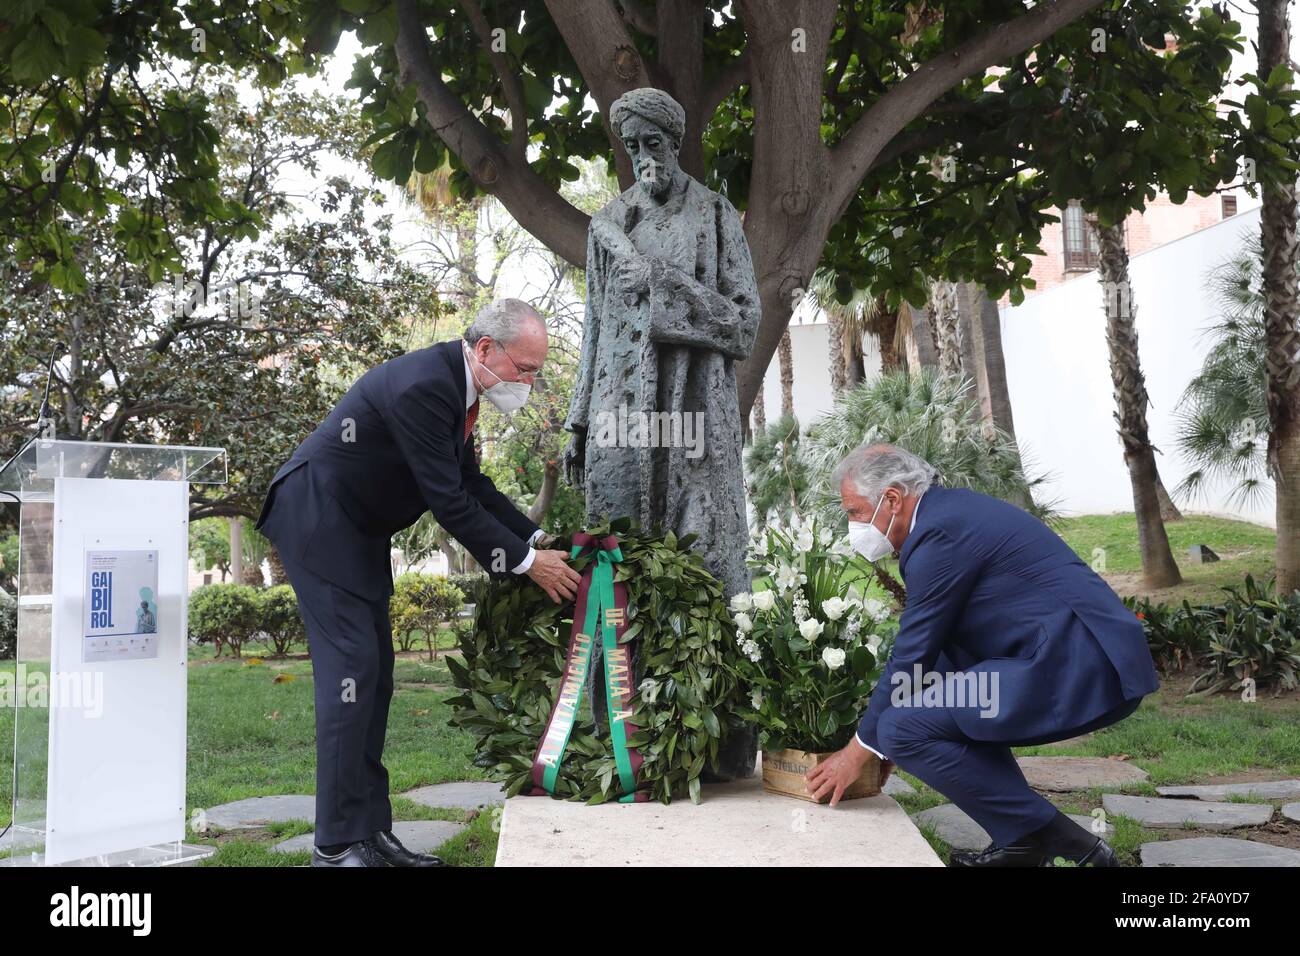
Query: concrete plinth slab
[[735, 824]]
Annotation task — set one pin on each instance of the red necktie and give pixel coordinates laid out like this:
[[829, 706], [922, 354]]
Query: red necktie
[[470, 417]]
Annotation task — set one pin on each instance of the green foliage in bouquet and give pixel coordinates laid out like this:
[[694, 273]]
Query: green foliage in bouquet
[[688, 695], [812, 644]]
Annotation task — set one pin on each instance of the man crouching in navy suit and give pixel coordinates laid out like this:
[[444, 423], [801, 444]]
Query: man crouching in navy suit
[[397, 445], [1030, 644]]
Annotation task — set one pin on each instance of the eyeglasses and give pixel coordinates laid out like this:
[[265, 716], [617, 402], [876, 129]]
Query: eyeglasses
[[523, 373]]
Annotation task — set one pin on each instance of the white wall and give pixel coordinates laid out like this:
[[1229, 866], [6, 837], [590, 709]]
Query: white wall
[[1058, 373], [1059, 376]]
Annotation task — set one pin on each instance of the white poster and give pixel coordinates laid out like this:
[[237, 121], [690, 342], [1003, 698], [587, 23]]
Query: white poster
[[120, 618]]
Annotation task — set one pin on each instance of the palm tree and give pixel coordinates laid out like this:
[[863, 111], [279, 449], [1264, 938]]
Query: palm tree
[[1281, 307], [1223, 413], [1158, 567]]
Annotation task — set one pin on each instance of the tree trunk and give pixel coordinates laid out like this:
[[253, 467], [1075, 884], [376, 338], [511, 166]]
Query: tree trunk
[[786, 355], [236, 550], [946, 321], [887, 332], [1281, 328], [927, 353], [1158, 567], [545, 496], [278, 575], [1168, 510], [990, 365], [835, 357], [760, 412]]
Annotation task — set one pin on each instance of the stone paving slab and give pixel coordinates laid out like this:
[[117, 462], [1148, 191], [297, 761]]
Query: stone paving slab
[[1216, 851], [735, 824], [464, 795], [962, 833], [419, 836], [1291, 811], [1161, 812], [1062, 774], [259, 811], [896, 786], [1260, 790]]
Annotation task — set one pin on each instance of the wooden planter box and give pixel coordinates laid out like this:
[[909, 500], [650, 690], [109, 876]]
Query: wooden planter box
[[783, 772]]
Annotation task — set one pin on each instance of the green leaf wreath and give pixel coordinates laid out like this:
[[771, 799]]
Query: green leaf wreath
[[688, 694]]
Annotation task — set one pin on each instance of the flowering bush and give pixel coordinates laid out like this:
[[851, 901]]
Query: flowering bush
[[812, 644]]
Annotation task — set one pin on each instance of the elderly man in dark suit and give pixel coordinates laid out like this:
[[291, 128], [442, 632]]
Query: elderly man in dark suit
[[1008, 639], [398, 444]]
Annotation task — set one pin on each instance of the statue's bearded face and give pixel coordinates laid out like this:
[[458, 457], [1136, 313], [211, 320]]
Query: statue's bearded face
[[653, 153]]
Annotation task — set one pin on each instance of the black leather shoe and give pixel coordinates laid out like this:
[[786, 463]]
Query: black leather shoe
[[1100, 855], [1032, 853], [361, 853], [1021, 853], [388, 847]]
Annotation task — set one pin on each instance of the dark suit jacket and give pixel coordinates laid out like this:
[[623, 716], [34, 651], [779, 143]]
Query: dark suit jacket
[[392, 449], [991, 588]]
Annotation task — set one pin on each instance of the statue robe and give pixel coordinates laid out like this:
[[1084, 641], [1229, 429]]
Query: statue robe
[[672, 350]]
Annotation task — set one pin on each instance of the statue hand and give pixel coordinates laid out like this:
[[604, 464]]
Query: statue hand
[[574, 460], [633, 275]]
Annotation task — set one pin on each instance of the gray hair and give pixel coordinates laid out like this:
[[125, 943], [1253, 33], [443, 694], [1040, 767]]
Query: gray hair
[[873, 467], [501, 321]]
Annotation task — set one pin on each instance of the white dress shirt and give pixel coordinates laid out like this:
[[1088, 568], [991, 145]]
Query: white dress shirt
[[471, 396], [909, 531]]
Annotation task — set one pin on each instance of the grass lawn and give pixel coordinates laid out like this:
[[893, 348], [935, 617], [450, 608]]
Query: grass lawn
[[252, 733], [1244, 547], [251, 729], [1218, 740]]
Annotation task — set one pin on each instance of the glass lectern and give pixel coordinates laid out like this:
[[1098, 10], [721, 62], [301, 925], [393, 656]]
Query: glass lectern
[[99, 687]]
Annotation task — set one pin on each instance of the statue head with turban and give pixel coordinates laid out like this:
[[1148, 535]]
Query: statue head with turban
[[650, 124]]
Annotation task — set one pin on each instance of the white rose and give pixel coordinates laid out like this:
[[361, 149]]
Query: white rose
[[743, 622], [835, 607], [834, 657], [742, 601], [826, 536], [811, 629], [764, 600], [873, 643], [876, 610], [804, 541], [756, 698]]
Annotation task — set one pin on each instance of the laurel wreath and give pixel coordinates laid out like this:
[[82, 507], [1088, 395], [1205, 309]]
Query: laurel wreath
[[688, 688]]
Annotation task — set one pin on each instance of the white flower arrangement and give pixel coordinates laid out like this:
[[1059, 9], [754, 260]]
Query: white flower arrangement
[[810, 641]]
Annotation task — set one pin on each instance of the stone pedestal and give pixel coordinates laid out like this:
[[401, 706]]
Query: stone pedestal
[[736, 824]]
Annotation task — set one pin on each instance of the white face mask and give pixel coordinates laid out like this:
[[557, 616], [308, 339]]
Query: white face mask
[[507, 396], [868, 540]]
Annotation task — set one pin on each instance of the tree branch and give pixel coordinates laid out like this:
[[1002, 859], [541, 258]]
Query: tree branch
[[638, 17], [853, 156], [732, 75], [510, 82], [529, 198]]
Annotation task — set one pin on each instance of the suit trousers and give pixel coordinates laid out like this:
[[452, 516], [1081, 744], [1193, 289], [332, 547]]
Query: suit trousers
[[981, 777], [351, 643]]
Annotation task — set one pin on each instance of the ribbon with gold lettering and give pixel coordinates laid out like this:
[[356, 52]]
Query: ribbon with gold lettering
[[600, 608]]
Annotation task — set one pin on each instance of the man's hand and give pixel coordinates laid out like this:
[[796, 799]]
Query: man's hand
[[837, 772], [551, 571]]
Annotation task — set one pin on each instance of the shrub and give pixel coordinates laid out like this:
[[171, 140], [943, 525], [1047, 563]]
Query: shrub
[[423, 602], [224, 614], [8, 625], [1176, 636], [280, 619], [1256, 636], [471, 584]]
